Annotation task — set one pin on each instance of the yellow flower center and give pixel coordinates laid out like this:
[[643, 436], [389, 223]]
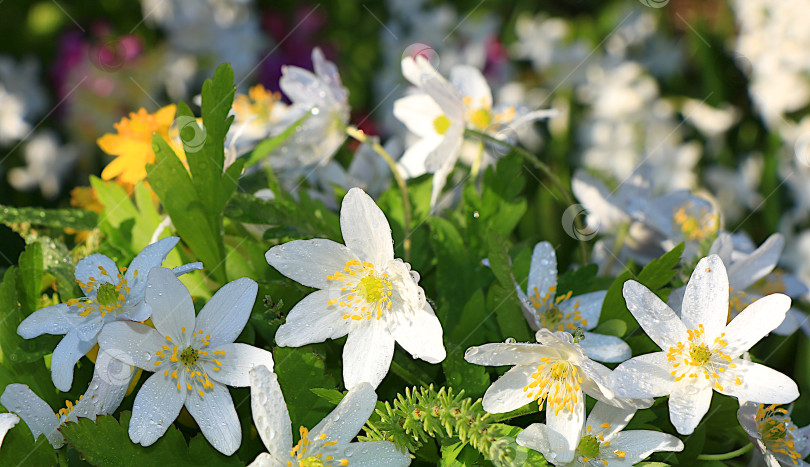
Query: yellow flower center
[[184, 364], [556, 382], [364, 292], [590, 447], [109, 297], [481, 118], [552, 317], [441, 124], [695, 225], [697, 358], [775, 429], [308, 453], [258, 101], [773, 283], [64, 412]]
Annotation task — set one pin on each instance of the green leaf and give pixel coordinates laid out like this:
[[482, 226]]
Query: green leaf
[[106, 442], [333, 396], [29, 278], [296, 220], [20, 448], [299, 369], [509, 452], [612, 327], [77, 219], [577, 281], [506, 306], [655, 276], [264, 148]]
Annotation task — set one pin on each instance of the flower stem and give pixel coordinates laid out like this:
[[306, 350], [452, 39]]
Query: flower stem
[[360, 136], [727, 455], [408, 376], [525, 410], [546, 170]]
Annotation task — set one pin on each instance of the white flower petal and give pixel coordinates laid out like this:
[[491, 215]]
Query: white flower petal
[[172, 309], [616, 417], [367, 355], [187, 268], [439, 179], [270, 414], [507, 393], [54, 319], [328, 74], [639, 444], [420, 334], [7, 422], [107, 389], [311, 320], [498, 354], [346, 420], [216, 416], [156, 406], [597, 379], [151, 256], [675, 299], [723, 246], [589, 306], [565, 428], [140, 312], [706, 298], [236, 364], [602, 348], [759, 384], [266, 460], [375, 454], [543, 271], [418, 112], [535, 437], [69, 350], [365, 228], [688, 403], [303, 87], [471, 83], [743, 273], [755, 322], [643, 376], [132, 343], [444, 157], [412, 162], [655, 317], [36, 413], [308, 262], [792, 323], [89, 266], [225, 315]]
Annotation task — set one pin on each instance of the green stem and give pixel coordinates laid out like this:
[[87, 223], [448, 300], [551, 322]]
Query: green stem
[[546, 170], [621, 236], [727, 455], [525, 410], [403, 187], [408, 376], [479, 159]]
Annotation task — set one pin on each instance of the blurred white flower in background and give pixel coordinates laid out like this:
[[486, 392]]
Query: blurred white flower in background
[[48, 163]]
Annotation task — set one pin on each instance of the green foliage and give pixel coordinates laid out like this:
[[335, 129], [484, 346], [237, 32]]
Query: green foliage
[[20, 448], [655, 276], [195, 198], [299, 370], [286, 218], [266, 147], [105, 442], [78, 219]]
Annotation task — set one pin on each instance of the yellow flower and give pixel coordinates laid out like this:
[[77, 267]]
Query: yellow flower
[[133, 144]]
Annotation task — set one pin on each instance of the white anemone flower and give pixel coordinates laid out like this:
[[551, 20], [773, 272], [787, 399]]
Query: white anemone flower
[[700, 352], [776, 437], [602, 441], [544, 309], [436, 115], [751, 276], [363, 291], [112, 294], [329, 443], [194, 359], [7, 422], [322, 95], [556, 372], [104, 394]]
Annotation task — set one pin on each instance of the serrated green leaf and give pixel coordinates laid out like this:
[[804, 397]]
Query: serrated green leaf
[[77, 219], [455, 278]]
